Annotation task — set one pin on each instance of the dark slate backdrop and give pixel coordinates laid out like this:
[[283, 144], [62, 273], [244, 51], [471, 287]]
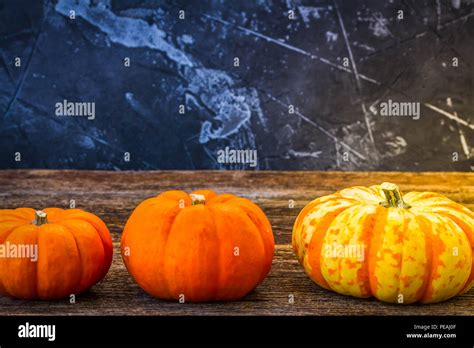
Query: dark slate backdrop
[[332, 64]]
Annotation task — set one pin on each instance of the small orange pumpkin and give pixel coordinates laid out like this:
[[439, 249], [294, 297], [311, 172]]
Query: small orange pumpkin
[[198, 247], [53, 253], [372, 241]]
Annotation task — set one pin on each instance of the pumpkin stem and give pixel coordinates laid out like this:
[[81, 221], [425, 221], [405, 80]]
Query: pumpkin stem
[[197, 199], [393, 196], [41, 218]]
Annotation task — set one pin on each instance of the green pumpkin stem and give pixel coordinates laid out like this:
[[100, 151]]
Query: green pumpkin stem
[[41, 218], [393, 197], [197, 199]]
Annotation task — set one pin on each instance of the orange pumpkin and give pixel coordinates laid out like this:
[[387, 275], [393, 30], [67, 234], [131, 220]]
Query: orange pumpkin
[[51, 254], [372, 241], [198, 247]]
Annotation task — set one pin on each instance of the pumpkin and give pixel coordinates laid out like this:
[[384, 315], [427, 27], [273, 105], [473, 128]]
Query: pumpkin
[[374, 241], [198, 247], [51, 254]]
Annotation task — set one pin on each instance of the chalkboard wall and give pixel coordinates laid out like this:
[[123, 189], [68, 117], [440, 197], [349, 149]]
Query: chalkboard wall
[[257, 85]]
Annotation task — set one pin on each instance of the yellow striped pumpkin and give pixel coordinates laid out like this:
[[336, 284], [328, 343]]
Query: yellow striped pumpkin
[[372, 241]]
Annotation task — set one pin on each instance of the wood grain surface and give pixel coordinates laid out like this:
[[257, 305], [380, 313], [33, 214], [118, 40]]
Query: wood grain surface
[[113, 196]]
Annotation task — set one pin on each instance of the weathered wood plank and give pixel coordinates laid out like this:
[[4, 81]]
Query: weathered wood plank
[[117, 294], [113, 195]]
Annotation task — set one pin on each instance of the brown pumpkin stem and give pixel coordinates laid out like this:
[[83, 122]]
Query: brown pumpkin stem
[[393, 196], [197, 199], [41, 218]]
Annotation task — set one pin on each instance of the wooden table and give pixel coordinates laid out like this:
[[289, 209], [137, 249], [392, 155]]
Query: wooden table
[[113, 195]]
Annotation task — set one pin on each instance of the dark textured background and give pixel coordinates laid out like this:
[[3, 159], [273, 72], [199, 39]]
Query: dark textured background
[[282, 62]]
